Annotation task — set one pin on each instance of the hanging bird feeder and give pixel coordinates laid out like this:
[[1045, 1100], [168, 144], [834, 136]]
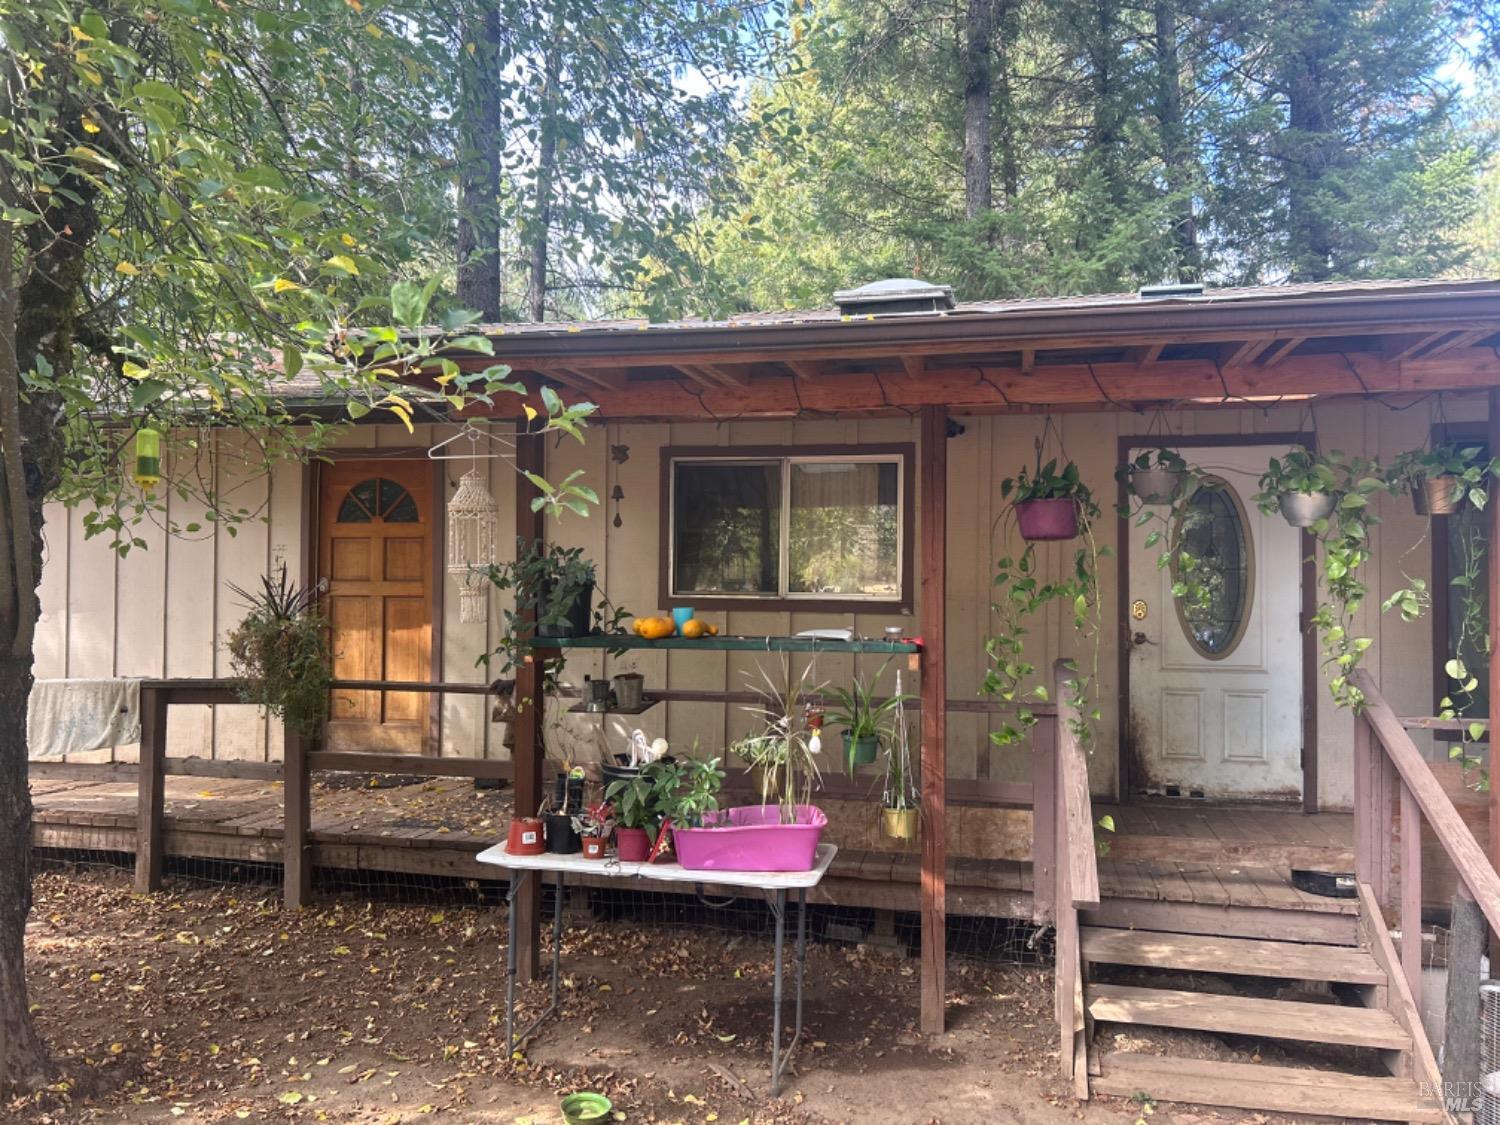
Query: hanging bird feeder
[[471, 545], [147, 457]]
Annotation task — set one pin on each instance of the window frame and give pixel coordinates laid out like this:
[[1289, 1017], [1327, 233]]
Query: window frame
[[902, 454], [1463, 433]]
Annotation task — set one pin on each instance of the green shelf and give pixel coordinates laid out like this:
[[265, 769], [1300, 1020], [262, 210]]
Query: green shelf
[[729, 644]]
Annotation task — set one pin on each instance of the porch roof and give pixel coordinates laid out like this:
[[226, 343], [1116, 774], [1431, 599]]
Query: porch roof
[[1092, 352]]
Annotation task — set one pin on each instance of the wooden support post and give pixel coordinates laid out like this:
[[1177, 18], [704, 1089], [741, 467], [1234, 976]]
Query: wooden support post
[[530, 457], [1364, 809], [296, 821], [1411, 893], [1461, 1021], [1386, 783], [150, 790], [1494, 629], [934, 524], [1043, 819]]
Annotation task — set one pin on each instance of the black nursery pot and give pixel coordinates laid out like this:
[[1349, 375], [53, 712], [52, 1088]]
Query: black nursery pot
[[578, 617], [561, 839], [567, 792]]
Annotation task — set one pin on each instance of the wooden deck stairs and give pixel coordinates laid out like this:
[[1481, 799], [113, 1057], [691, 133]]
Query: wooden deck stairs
[[1367, 1006]]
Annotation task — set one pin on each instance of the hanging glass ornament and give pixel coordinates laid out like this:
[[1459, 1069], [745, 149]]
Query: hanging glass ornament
[[471, 545]]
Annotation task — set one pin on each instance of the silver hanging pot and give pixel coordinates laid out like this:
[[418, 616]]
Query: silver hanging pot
[[1155, 485], [1303, 509]]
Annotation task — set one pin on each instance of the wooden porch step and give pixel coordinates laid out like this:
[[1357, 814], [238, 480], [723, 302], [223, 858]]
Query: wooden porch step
[[1246, 1015], [1274, 1089], [1251, 957]]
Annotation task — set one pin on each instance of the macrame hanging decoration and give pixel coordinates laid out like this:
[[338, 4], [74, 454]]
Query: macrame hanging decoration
[[471, 545]]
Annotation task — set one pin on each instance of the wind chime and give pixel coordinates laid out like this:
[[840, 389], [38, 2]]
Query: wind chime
[[471, 527]]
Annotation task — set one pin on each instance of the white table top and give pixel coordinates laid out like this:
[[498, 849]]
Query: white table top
[[664, 872]]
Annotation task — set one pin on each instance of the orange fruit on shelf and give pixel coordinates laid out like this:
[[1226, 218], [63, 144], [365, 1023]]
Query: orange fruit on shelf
[[692, 629], [713, 630]]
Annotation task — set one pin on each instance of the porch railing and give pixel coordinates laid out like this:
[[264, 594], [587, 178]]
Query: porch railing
[[1388, 768], [1065, 864]]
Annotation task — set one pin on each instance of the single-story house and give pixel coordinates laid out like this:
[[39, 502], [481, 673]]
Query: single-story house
[[784, 419]]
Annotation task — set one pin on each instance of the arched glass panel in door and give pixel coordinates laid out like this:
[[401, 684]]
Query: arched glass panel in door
[[378, 498], [1215, 534]]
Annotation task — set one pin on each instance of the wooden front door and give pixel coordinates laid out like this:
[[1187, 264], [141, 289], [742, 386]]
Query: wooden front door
[[375, 536], [1216, 690]]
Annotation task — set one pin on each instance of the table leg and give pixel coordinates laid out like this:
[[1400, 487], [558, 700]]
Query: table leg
[[801, 960], [517, 882], [778, 908], [557, 916]]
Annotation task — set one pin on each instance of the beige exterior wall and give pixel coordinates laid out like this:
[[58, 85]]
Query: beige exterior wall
[[166, 610]]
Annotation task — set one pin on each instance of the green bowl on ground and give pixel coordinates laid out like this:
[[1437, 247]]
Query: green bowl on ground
[[585, 1108]]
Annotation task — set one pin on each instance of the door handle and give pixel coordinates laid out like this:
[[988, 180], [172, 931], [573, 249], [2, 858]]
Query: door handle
[[1141, 639]]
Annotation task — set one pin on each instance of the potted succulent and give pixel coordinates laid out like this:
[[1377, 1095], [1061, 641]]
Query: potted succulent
[[593, 826], [1049, 503], [864, 721], [1303, 486], [1155, 476], [1443, 477]]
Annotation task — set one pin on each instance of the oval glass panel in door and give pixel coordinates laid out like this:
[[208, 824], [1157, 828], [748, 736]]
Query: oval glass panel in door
[[1215, 535]]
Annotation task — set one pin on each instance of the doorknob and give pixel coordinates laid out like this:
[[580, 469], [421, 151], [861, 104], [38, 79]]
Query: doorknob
[[1141, 639]]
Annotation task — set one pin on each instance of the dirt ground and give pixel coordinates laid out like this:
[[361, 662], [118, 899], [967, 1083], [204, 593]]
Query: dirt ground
[[210, 1004]]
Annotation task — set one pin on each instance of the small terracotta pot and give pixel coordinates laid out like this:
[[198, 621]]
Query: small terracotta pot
[[632, 845], [593, 847], [525, 836], [1042, 520]]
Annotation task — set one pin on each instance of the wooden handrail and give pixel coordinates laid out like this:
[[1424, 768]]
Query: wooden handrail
[[1073, 795], [1452, 833]]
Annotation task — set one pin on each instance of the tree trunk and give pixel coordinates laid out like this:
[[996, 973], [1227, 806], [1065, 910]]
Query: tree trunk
[[40, 307], [1008, 23], [979, 32], [1308, 150], [1108, 121], [479, 161], [546, 166], [1177, 158]]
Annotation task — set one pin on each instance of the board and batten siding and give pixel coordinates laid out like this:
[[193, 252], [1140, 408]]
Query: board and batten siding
[[166, 610]]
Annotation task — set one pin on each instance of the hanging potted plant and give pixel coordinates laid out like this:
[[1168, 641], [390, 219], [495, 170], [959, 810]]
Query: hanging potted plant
[[1049, 502], [1303, 486], [593, 826], [900, 808], [864, 720], [279, 653], [1442, 478], [1156, 475]]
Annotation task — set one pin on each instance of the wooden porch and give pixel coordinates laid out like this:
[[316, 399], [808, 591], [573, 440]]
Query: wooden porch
[[1220, 859]]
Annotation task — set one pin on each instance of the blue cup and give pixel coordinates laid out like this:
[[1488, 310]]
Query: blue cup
[[682, 615]]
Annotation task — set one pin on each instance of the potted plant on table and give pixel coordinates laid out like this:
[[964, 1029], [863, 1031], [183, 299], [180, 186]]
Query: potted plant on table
[[279, 652], [562, 810], [1049, 502], [593, 826], [1302, 485], [636, 800]]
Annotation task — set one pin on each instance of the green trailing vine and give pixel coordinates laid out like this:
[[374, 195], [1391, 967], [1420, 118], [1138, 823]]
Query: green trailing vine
[[1193, 585]]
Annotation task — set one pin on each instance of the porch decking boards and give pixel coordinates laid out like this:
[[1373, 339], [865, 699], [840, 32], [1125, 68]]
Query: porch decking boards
[[436, 827]]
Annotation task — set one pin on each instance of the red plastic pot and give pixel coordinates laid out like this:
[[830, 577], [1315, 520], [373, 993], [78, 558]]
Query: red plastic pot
[[593, 847], [1041, 520], [632, 845], [525, 836]]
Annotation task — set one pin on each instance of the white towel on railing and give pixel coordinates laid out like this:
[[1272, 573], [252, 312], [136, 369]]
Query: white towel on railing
[[69, 716]]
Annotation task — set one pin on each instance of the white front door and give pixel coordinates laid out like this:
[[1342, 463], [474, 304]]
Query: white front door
[[1216, 694]]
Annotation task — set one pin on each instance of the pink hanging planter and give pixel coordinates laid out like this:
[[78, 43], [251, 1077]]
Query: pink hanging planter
[[752, 838], [1044, 520]]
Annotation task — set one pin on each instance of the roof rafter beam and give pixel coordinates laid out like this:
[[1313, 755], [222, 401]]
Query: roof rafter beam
[[1281, 350], [1246, 351]]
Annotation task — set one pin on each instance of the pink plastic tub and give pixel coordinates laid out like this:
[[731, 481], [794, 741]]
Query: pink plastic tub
[[754, 839]]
